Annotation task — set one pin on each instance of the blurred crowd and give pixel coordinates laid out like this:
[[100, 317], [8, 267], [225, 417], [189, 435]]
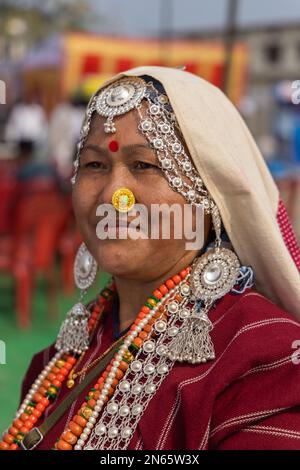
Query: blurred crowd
[[37, 226], [51, 141]]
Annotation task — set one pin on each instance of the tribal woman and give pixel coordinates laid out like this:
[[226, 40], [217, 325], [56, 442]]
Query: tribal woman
[[185, 347]]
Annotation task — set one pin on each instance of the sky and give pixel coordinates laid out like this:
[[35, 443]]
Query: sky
[[144, 17]]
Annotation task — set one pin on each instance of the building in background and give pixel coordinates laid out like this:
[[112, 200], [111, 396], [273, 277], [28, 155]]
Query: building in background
[[273, 57]]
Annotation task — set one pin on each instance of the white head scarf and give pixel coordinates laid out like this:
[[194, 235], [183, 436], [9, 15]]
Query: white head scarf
[[235, 174]]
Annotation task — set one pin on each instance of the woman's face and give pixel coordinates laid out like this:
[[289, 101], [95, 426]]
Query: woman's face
[[134, 166]]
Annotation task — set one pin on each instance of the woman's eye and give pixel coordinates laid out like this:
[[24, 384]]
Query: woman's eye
[[94, 165], [145, 166]]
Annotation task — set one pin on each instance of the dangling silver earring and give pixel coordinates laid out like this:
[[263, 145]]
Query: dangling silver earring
[[212, 276], [73, 336]]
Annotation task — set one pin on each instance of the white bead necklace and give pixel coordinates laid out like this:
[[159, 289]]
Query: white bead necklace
[[113, 371]]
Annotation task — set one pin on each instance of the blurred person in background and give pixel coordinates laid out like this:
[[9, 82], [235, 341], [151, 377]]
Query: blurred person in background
[[184, 348], [29, 168], [27, 121], [64, 129]]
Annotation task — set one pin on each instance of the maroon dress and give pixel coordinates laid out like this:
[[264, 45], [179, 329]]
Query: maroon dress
[[247, 398]]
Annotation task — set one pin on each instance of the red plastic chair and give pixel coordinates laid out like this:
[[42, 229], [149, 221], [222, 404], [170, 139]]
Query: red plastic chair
[[8, 194], [41, 216]]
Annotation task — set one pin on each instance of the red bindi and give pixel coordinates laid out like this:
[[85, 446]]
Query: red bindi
[[113, 146]]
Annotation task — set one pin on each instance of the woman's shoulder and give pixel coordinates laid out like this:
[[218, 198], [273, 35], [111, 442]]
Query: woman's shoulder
[[257, 353], [257, 307], [253, 306], [37, 364], [40, 360], [255, 329]]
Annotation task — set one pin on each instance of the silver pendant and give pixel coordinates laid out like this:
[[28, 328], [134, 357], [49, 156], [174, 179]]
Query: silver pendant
[[214, 274], [73, 336], [85, 268], [193, 343]]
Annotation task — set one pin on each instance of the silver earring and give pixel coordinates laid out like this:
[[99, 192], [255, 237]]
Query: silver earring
[[73, 336], [212, 276]]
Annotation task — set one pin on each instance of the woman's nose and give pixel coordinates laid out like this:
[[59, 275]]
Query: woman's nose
[[119, 178]]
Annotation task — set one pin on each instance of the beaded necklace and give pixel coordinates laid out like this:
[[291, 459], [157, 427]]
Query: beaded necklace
[[79, 428], [48, 384]]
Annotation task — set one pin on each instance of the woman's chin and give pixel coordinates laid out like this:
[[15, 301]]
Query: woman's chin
[[116, 260]]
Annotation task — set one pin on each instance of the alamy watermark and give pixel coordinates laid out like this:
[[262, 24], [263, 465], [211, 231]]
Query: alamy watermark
[[295, 357], [186, 222]]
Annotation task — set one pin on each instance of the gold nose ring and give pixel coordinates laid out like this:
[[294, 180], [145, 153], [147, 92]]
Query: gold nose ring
[[123, 199]]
